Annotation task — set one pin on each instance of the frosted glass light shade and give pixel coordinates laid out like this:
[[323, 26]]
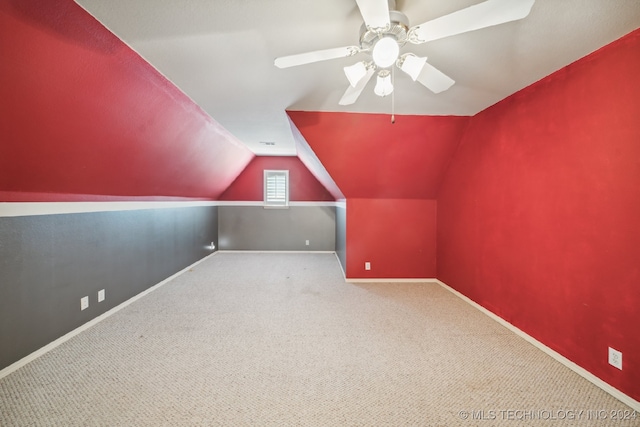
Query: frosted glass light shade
[[383, 84], [355, 73], [413, 65], [385, 52]]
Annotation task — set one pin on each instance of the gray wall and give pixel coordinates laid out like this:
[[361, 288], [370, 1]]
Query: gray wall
[[48, 262], [260, 229], [341, 235]]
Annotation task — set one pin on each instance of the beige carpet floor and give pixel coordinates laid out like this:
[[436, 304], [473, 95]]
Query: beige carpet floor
[[247, 339]]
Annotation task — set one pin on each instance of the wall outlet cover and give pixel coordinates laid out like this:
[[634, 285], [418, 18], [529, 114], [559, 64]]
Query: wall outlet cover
[[615, 358], [367, 265], [84, 303], [101, 295]]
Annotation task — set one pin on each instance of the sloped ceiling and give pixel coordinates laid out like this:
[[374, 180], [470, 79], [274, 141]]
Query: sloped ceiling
[[82, 116], [370, 157], [221, 53], [314, 165]]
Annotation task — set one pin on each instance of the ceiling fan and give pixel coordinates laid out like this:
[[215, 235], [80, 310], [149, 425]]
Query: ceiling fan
[[386, 31]]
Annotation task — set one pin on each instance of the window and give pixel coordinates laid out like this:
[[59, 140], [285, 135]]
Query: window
[[276, 188]]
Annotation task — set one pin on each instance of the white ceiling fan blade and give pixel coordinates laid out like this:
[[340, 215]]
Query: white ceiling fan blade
[[482, 15], [434, 80], [352, 94], [375, 13], [315, 56]]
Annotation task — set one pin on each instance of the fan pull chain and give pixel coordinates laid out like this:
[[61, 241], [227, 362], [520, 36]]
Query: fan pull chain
[[393, 95]]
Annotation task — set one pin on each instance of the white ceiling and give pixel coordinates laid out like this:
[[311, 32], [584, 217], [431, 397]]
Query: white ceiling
[[221, 53]]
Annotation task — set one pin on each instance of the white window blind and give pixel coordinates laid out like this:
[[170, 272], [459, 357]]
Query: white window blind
[[276, 188]]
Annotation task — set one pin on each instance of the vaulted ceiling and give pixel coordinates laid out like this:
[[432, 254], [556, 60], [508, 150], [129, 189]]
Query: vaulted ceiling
[[83, 115], [221, 54]]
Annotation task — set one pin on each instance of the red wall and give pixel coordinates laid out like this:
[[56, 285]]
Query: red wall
[[82, 116], [539, 212], [303, 186], [397, 236], [370, 158]]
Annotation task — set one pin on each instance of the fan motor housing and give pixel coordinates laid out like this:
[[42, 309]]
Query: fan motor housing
[[398, 30]]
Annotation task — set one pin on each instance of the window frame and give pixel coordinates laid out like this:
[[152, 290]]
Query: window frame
[[279, 202]]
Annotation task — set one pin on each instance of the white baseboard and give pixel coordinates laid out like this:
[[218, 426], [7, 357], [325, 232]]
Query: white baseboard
[[344, 275], [627, 400], [31, 357], [242, 251], [390, 280]]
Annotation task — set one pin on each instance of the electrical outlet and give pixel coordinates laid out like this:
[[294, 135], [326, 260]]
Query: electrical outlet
[[615, 358], [101, 295], [367, 265], [306, 242], [84, 303]]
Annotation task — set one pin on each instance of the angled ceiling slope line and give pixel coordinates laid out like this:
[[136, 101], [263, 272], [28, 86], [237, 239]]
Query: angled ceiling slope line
[[371, 158], [313, 163]]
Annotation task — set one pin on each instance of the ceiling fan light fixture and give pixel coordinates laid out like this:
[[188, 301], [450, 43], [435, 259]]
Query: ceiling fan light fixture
[[385, 52], [355, 73], [383, 84], [412, 65]]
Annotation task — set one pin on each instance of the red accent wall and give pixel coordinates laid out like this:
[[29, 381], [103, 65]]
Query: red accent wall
[[370, 158], [397, 236], [303, 186], [82, 116], [539, 212]]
